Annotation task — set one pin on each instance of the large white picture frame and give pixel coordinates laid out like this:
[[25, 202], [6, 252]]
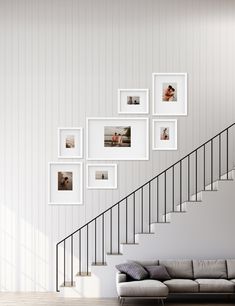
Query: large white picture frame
[[169, 94], [164, 134], [101, 176], [117, 138], [70, 142], [133, 101], [65, 183]]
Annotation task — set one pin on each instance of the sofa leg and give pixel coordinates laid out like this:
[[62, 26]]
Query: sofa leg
[[162, 302], [122, 301]]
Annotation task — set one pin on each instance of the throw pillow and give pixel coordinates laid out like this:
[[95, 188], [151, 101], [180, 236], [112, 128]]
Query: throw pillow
[[158, 272], [134, 270]]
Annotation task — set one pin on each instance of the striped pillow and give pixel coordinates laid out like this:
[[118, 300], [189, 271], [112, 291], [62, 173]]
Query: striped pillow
[[134, 270]]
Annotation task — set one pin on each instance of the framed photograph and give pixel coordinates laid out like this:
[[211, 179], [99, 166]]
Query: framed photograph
[[70, 142], [170, 94], [133, 101], [102, 176], [117, 139], [65, 183], [164, 134]]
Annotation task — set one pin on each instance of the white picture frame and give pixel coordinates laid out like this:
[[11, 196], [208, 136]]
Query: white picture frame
[[65, 183], [169, 94], [133, 101], [100, 143], [101, 176], [70, 142], [164, 134]]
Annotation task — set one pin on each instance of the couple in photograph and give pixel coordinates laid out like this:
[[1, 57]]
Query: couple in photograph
[[117, 139], [169, 94]]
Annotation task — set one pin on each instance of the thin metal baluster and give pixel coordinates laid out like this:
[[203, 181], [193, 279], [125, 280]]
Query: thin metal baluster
[[196, 175], [157, 200], [219, 156], [103, 239], [165, 194], [212, 164], [71, 260], [64, 262], [134, 217], [149, 207], [204, 166], [227, 152], [180, 185], [57, 276], [111, 234], [87, 251], [126, 221], [142, 210], [188, 178], [118, 228], [173, 188], [80, 253], [95, 244]]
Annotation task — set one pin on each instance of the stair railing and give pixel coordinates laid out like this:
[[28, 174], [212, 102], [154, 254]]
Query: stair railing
[[148, 204]]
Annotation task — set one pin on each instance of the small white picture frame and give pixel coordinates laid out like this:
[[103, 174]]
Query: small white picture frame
[[169, 94], [101, 176], [164, 134], [65, 183], [133, 101], [70, 142], [117, 138]]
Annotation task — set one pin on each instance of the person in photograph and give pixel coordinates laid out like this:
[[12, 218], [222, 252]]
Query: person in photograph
[[65, 181], [169, 94], [114, 139], [130, 100], [120, 140], [165, 134]]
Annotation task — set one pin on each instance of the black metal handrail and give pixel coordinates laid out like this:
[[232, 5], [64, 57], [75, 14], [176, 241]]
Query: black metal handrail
[[193, 186]]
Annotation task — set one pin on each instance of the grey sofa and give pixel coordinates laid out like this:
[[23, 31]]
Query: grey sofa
[[187, 277]]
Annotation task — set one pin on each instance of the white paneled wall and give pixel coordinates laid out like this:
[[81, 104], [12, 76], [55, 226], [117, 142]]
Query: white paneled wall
[[63, 60]]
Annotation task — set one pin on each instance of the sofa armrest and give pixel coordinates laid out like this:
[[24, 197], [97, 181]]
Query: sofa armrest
[[120, 277]]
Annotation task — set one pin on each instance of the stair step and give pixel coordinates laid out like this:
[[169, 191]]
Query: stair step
[[68, 284], [161, 222], [83, 274], [100, 264], [145, 233], [115, 254], [129, 243]]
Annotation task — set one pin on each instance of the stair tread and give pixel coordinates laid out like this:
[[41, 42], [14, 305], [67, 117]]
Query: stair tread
[[67, 285], [83, 274], [100, 264], [123, 243], [145, 233], [115, 254]]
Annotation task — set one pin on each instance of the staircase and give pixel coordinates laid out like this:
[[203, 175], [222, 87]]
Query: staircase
[[147, 218]]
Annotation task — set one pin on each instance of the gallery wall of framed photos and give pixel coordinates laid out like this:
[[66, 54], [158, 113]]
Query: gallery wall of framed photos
[[117, 138]]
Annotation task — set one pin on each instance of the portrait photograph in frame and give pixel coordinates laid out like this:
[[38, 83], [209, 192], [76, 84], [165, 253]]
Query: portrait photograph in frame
[[101, 176], [70, 142], [65, 183], [133, 101], [117, 138], [164, 134], [169, 94]]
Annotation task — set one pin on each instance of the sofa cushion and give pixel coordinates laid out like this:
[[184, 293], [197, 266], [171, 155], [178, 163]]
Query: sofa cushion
[[233, 281], [231, 268], [134, 270], [178, 268], [143, 288], [158, 272], [209, 268], [182, 285], [215, 285]]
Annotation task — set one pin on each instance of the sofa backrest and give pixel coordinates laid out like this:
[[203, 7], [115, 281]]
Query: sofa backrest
[[210, 268], [231, 268], [178, 268]]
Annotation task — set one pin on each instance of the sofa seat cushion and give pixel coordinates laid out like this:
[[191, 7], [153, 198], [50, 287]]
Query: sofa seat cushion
[[215, 285], [182, 268], [182, 285], [143, 288], [233, 281]]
